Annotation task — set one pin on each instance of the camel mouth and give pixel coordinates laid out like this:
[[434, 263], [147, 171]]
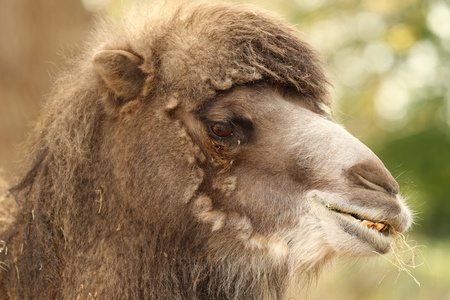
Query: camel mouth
[[356, 230], [380, 226]]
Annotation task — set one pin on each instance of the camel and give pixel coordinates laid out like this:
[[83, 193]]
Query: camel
[[191, 153]]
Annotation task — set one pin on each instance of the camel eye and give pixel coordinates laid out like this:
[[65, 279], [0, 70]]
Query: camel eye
[[221, 130]]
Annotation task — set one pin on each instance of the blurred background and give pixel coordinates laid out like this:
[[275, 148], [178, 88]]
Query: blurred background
[[389, 62]]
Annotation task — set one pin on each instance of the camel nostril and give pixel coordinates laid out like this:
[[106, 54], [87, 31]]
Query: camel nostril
[[374, 176], [371, 185]]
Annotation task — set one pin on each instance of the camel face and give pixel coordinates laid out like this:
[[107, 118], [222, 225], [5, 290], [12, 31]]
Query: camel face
[[187, 155], [325, 190]]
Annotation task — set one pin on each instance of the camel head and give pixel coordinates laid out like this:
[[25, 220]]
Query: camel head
[[270, 175], [190, 154], [280, 176], [302, 184]]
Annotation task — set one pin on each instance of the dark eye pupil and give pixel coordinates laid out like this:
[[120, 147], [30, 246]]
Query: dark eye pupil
[[221, 130]]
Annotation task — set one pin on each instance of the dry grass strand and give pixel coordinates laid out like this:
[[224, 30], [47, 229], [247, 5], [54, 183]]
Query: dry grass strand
[[404, 253]]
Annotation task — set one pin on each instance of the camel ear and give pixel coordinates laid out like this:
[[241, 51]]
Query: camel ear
[[120, 71]]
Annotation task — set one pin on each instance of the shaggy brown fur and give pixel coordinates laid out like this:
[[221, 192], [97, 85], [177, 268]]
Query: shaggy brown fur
[[7, 204], [127, 195]]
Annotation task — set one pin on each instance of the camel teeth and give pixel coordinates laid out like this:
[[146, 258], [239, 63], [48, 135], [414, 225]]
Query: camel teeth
[[368, 223], [377, 226]]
